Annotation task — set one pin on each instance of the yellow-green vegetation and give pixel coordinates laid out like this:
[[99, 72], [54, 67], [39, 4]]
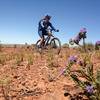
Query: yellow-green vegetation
[[5, 81], [19, 58], [2, 59], [90, 46], [97, 54], [5, 84], [30, 59], [50, 59]]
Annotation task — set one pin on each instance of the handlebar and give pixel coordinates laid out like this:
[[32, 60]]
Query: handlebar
[[57, 30], [50, 30]]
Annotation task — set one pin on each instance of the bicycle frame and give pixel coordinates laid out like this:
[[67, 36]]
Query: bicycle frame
[[47, 39]]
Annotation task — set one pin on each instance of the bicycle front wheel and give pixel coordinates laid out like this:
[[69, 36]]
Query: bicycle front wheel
[[38, 47], [55, 45]]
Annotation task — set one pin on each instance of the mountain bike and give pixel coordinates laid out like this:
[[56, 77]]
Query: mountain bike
[[50, 43]]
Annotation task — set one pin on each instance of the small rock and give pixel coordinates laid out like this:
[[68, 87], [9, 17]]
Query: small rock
[[35, 83]]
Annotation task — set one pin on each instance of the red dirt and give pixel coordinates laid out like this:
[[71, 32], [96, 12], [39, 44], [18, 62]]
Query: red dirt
[[35, 82]]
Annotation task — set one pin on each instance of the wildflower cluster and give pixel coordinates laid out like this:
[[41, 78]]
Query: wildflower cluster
[[91, 84], [72, 59]]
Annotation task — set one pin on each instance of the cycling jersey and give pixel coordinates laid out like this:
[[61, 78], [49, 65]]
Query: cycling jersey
[[43, 26]]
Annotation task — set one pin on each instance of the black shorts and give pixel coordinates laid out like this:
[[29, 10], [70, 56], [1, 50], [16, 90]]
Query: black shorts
[[42, 32]]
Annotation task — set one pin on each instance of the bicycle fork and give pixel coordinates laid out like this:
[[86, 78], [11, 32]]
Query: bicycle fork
[[48, 39]]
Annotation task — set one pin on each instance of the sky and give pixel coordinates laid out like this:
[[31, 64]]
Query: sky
[[19, 19]]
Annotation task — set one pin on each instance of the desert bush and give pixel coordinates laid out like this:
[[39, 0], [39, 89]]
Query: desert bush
[[19, 58]]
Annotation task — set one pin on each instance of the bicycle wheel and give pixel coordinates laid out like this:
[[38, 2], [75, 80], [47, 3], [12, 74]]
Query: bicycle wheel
[[37, 45], [55, 45]]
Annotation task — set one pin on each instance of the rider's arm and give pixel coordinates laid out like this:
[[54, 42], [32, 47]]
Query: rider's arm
[[41, 23], [52, 27]]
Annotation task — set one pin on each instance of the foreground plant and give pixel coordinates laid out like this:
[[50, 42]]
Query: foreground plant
[[84, 78], [91, 83], [71, 60]]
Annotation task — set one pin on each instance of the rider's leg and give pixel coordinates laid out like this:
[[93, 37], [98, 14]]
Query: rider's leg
[[41, 37], [42, 40], [42, 33]]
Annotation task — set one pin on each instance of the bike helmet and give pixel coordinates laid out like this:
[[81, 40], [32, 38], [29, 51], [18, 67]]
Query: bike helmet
[[48, 17]]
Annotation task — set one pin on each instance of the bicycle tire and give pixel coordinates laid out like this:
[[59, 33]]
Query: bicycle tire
[[37, 46], [54, 45]]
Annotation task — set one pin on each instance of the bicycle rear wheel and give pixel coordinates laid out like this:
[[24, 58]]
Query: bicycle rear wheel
[[55, 45]]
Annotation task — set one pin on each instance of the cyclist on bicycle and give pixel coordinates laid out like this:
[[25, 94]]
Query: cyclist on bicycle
[[81, 35], [44, 24]]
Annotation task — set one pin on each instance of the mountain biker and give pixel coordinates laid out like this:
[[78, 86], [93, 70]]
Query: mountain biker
[[81, 35], [43, 25]]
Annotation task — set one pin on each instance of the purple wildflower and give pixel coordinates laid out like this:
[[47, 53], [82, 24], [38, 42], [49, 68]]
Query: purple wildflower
[[83, 30], [72, 59], [89, 89], [98, 43]]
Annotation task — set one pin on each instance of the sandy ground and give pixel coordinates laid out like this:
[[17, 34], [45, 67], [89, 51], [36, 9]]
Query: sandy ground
[[37, 80]]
